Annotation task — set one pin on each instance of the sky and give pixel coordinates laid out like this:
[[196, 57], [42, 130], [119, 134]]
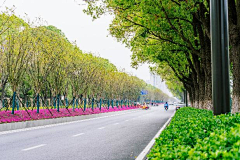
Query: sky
[[90, 36]]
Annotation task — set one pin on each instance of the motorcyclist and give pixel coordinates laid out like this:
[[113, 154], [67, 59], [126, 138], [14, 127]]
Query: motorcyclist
[[166, 106]]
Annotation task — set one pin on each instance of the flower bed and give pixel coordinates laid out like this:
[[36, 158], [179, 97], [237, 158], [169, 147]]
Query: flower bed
[[19, 116], [197, 134]]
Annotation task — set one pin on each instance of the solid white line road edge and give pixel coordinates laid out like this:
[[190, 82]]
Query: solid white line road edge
[[146, 150], [64, 123], [27, 149]]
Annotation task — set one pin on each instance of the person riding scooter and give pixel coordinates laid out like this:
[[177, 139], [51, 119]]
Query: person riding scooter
[[166, 106]]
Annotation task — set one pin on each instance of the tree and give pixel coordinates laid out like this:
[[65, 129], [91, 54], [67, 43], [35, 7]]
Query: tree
[[166, 31], [9, 25], [40, 62]]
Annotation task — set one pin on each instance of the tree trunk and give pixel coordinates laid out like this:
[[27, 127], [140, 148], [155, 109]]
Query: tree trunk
[[235, 54], [3, 86], [191, 95], [25, 100], [208, 94], [201, 83], [234, 37], [208, 77], [196, 95]]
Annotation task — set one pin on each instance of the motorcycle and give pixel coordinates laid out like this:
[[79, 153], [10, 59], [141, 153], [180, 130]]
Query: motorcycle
[[166, 108]]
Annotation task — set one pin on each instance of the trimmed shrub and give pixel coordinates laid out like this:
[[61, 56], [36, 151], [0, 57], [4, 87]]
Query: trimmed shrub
[[198, 134]]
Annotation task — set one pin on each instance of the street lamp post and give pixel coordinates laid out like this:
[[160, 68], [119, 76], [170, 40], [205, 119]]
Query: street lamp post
[[220, 56]]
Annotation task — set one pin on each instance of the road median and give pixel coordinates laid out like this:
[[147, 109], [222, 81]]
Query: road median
[[57, 121]]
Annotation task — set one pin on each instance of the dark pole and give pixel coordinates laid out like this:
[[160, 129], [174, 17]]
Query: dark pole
[[220, 56], [186, 99]]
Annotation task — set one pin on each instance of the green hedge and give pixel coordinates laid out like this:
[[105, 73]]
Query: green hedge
[[197, 134]]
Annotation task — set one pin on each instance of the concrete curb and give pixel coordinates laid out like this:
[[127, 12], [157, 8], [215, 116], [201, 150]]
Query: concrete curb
[[44, 122], [143, 154]]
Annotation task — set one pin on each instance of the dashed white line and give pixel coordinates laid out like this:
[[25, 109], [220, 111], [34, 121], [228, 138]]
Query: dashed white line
[[101, 128], [126, 120], [116, 123], [76, 135], [34, 147]]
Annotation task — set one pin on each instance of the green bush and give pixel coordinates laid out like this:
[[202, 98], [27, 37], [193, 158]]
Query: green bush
[[197, 134]]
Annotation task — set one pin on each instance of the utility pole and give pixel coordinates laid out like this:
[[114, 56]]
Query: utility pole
[[220, 56]]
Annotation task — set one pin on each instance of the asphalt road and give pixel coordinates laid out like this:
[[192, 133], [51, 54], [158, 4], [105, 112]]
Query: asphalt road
[[118, 137]]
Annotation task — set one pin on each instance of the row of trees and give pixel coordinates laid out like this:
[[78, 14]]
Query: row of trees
[[39, 61], [172, 82], [174, 34], [153, 94]]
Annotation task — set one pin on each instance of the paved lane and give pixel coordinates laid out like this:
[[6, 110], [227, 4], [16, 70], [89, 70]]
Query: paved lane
[[120, 137]]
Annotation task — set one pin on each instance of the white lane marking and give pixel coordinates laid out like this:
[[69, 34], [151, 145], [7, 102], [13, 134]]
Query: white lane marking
[[34, 147], [76, 135], [116, 124], [101, 128], [60, 124], [146, 150], [126, 120]]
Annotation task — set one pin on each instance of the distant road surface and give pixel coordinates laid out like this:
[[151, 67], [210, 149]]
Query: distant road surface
[[117, 137]]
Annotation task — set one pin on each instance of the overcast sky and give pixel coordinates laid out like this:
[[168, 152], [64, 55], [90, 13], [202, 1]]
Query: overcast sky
[[91, 36]]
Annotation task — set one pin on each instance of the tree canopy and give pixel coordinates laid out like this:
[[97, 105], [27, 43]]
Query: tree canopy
[[175, 33], [40, 61]]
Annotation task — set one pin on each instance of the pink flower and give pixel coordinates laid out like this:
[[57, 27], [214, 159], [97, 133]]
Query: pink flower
[[7, 117]]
